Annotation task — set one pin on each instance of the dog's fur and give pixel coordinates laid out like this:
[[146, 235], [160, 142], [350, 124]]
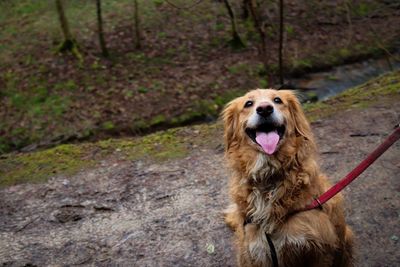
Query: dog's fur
[[270, 189]]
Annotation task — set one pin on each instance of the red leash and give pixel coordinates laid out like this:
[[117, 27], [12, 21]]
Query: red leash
[[356, 171]]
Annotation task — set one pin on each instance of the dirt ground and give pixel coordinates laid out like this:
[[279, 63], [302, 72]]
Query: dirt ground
[[142, 213]]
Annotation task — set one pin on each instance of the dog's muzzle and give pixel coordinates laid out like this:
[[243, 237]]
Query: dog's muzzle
[[266, 133]]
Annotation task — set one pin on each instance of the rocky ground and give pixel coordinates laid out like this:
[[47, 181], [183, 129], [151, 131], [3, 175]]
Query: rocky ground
[[145, 212]]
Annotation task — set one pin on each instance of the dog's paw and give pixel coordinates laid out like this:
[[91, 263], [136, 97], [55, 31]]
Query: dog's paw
[[231, 216]]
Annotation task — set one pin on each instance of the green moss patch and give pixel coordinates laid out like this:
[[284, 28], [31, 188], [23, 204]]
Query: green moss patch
[[16, 168], [39, 166], [163, 145]]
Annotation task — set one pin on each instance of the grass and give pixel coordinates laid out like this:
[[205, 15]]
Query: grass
[[39, 104], [16, 168]]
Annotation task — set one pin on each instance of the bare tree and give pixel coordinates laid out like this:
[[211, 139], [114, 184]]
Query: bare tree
[[245, 9], [69, 44], [138, 43], [236, 41], [102, 41], [253, 8]]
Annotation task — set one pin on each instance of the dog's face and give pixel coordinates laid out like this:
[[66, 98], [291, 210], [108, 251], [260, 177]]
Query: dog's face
[[264, 120]]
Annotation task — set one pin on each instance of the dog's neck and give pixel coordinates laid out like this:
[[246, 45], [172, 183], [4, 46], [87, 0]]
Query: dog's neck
[[268, 187], [265, 170]]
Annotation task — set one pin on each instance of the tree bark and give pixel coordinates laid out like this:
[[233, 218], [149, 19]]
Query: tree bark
[[236, 41], [63, 20], [68, 43], [258, 25], [138, 43], [102, 41], [252, 5], [245, 9]]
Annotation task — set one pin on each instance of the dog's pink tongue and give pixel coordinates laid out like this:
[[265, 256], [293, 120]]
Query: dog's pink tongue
[[268, 141]]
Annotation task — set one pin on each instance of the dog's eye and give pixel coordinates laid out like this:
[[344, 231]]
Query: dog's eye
[[278, 100], [248, 104]]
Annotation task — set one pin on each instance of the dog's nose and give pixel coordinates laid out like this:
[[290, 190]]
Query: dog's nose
[[265, 110]]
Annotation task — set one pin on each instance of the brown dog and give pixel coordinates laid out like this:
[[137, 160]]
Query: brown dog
[[270, 147]]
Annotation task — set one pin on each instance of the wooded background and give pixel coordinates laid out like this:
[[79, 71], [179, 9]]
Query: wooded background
[[88, 69]]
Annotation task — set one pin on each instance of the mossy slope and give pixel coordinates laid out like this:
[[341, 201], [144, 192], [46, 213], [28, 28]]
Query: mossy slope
[[38, 166]]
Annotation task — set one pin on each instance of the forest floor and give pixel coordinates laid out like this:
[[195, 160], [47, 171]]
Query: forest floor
[[157, 200], [186, 70]]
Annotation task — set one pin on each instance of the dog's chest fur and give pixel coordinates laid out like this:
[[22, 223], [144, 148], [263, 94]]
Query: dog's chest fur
[[262, 223], [263, 193], [260, 212]]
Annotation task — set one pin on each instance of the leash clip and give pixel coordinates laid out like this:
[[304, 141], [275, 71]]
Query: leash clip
[[319, 203]]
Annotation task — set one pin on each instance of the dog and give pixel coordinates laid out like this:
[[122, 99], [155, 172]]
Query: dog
[[271, 150]]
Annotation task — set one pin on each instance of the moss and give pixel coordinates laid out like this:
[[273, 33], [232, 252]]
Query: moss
[[139, 125], [4, 145], [332, 78], [157, 120], [143, 90], [302, 63], [39, 166], [311, 97], [108, 125], [68, 159], [159, 146], [163, 145], [70, 46], [344, 52]]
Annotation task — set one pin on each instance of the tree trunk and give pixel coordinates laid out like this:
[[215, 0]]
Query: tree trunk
[[245, 9], [236, 41], [63, 20], [68, 43], [252, 5], [102, 42], [138, 43], [257, 24]]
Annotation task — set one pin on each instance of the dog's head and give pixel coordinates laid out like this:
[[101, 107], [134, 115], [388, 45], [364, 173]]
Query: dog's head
[[266, 121]]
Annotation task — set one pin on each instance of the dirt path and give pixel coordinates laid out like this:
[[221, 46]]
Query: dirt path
[[168, 214]]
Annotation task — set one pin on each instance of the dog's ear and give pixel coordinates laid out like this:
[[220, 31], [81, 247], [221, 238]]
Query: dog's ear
[[230, 120], [301, 124]]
